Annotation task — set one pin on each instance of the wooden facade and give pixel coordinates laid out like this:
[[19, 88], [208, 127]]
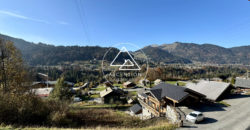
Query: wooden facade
[[158, 108]]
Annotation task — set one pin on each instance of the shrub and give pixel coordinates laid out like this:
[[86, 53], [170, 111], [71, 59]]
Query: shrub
[[22, 109], [60, 119], [27, 109]]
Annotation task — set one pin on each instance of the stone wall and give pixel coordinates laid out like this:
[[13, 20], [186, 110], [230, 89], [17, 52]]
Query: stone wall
[[172, 115]]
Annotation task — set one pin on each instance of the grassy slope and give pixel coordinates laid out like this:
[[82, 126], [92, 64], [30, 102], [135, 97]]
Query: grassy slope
[[174, 82], [106, 119], [158, 126], [82, 106]]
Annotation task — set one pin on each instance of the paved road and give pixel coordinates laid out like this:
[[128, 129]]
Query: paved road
[[235, 117]]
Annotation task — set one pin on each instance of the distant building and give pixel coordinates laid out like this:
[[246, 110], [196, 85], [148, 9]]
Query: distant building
[[144, 82], [128, 84], [157, 81], [130, 101], [111, 95], [42, 92], [85, 85], [216, 79], [242, 83]]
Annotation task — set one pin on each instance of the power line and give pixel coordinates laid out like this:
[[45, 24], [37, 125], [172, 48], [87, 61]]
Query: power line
[[81, 13]]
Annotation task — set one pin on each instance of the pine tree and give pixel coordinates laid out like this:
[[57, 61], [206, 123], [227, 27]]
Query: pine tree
[[61, 91], [12, 72]]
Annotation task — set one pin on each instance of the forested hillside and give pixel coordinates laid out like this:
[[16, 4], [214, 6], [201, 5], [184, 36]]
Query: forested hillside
[[44, 54]]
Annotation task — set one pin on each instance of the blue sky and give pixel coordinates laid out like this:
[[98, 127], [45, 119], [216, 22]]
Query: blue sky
[[141, 22]]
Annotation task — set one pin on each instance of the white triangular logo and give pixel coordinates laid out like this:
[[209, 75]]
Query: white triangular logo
[[127, 62]]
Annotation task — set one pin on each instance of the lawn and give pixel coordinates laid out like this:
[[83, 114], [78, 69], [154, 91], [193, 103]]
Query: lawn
[[181, 83], [137, 125], [132, 93], [118, 85], [100, 118], [171, 82], [174, 83], [99, 88], [95, 96], [159, 126]]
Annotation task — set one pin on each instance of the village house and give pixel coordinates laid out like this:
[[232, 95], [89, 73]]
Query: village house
[[128, 84], [42, 92], [85, 85], [157, 81], [130, 101], [144, 82], [163, 98], [242, 83], [213, 90], [111, 95]]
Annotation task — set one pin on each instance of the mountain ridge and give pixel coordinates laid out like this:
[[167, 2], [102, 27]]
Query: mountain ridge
[[177, 52]]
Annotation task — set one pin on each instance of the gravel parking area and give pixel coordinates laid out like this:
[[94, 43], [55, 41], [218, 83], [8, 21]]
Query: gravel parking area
[[220, 117]]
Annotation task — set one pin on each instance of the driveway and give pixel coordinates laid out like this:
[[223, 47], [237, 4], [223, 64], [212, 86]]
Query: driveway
[[219, 117]]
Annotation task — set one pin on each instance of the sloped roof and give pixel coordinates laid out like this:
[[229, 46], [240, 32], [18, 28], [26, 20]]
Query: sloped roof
[[81, 87], [109, 90], [158, 81], [243, 83], [127, 83], [143, 95], [168, 90], [106, 92], [211, 89], [136, 108]]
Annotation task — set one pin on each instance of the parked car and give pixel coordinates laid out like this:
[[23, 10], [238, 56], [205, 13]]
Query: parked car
[[195, 117], [77, 99]]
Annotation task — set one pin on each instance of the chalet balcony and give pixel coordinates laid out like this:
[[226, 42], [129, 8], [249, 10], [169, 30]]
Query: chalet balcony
[[151, 109]]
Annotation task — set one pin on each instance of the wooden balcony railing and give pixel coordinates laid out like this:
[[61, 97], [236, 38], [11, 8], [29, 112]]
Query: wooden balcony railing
[[151, 109]]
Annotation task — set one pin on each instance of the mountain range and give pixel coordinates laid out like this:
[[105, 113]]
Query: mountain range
[[206, 53], [184, 53]]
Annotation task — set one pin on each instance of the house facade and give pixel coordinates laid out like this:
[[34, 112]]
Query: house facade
[[158, 101]]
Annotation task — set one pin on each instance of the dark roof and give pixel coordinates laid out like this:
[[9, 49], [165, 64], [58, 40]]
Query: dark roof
[[136, 108], [143, 94], [168, 90], [243, 83]]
